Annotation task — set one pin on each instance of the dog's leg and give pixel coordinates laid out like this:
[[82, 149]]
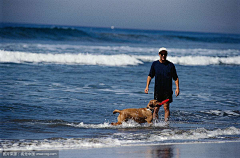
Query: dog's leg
[[115, 124], [149, 119], [120, 118]]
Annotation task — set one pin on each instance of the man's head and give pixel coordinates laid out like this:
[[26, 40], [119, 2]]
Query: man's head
[[163, 54]]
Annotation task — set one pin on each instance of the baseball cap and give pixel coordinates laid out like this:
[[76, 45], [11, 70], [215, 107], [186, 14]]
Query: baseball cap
[[162, 49]]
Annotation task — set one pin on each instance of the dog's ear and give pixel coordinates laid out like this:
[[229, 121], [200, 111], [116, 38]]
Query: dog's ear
[[156, 103], [151, 104]]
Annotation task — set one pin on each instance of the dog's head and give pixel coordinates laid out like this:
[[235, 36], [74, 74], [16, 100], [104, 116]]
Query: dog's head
[[152, 104]]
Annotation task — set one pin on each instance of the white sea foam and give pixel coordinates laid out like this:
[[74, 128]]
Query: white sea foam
[[205, 60], [128, 124], [109, 60], [196, 134], [67, 48], [222, 113], [195, 60], [82, 59], [124, 139]]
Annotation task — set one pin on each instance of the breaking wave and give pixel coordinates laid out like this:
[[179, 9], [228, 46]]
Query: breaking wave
[[165, 136], [128, 124], [109, 60], [70, 59], [196, 60]]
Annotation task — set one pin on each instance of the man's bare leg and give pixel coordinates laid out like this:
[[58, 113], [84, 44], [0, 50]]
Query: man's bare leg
[[167, 111], [155, 113]]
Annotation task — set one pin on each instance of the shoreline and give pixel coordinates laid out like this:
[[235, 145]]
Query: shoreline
[[189, 150], [220, 149]]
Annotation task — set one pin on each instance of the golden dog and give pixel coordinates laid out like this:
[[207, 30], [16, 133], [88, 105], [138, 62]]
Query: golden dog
[[140, 115]]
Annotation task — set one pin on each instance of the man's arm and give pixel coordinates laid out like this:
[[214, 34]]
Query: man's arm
[[177, 87], [148, 83]]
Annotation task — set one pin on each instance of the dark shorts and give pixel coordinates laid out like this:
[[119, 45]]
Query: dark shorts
[[163, 96]]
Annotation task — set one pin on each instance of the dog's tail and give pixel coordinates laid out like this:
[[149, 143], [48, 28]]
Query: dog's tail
[[116, 111]]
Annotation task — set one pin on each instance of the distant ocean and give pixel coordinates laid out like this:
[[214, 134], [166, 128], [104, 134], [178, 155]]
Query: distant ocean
[[59, 86]]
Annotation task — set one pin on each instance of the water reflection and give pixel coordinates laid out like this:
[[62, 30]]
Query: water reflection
[[162, 151]]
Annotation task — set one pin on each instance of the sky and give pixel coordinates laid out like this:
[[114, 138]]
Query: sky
[[217, 16]]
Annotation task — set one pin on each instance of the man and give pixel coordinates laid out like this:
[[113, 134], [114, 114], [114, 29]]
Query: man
[[163, 71]]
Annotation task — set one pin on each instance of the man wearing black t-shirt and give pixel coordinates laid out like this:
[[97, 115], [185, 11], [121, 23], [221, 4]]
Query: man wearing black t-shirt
[[163, 71]]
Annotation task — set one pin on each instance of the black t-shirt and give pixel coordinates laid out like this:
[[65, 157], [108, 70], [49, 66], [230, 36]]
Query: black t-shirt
[[163, 73]]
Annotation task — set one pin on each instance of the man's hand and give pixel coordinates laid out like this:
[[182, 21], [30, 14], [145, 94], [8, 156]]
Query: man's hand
[[146, 90], [148, 83], [177, 92], [177, 87]]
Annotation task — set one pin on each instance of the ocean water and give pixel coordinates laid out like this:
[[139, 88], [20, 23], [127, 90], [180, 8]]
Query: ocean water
[[59, 86]]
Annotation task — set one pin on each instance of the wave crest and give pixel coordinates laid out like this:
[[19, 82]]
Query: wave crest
[[164, 136], [79, 59], [110, 60]]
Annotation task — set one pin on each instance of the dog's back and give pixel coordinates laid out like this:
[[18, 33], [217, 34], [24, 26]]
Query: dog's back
[[132, 110]]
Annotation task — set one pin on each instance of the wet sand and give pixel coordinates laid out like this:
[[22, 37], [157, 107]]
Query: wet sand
[[196, 150]]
